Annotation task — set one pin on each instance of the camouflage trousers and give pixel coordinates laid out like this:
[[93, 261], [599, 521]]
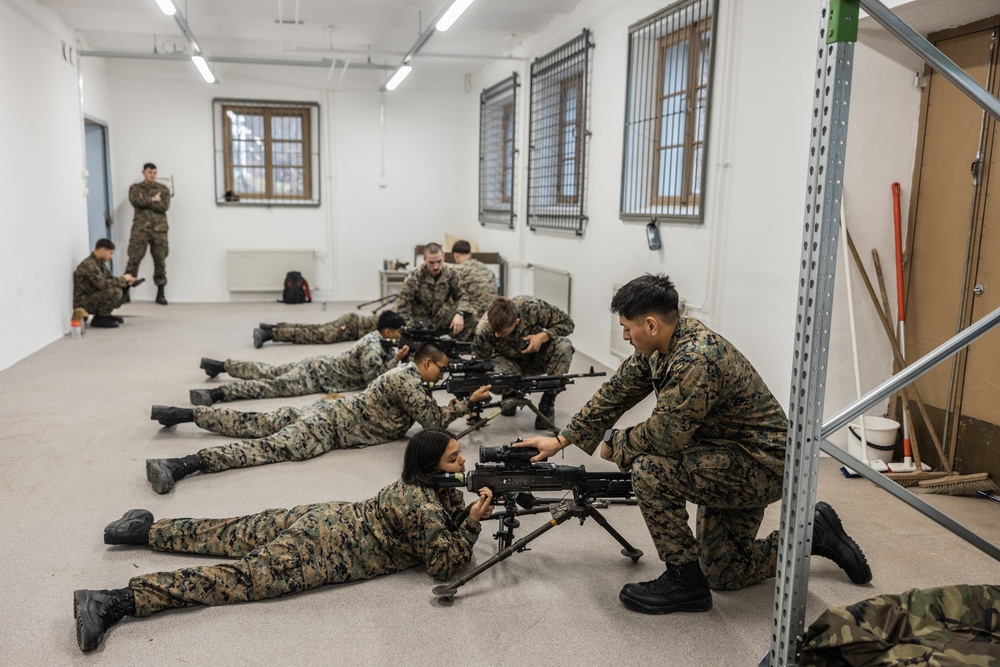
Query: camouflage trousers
[[281, 552], [314, 375], [554, 358], [731, 491], [287, 434], [159, 248], [951, 626], [103, 302], [351, 326]]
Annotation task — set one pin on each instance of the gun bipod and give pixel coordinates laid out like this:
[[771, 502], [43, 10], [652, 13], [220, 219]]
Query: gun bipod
[[579, 508], [516, 402]]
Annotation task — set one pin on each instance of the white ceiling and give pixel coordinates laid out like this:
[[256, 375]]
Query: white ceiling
[[351, 31]]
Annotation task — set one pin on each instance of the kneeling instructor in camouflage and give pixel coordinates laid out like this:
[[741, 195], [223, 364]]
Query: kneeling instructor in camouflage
[[716, 438], [384, 412], [350, 371], [410, 522]]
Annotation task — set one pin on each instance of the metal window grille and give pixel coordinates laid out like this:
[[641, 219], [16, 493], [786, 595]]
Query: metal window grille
[[558, 133], [667, 104], [497, 125], [266, 153]]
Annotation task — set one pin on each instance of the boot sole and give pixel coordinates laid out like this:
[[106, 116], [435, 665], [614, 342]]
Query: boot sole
[[198, 398], [208, 371], [689, 607], [86, 641], [834, 525], [161, 480]]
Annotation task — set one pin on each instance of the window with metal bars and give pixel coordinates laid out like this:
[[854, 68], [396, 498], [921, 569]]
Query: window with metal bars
[[558, 133], [666, 112], [266, 153], [497, 124]]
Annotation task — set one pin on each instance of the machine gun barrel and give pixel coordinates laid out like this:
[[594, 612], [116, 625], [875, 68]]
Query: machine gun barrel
[[506, 480]]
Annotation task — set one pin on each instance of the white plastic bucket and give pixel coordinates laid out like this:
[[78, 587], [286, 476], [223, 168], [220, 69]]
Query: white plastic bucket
[[881, 434]]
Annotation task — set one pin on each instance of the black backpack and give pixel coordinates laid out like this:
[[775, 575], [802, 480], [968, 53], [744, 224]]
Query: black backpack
[[296, 289]]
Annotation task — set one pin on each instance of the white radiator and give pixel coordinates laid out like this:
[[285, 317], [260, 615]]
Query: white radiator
[[264, 270], [552, 286]]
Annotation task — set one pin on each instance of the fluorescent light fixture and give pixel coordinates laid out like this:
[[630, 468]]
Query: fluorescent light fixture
[[450, 16], [398, 77], [202, 66], [167, 7]]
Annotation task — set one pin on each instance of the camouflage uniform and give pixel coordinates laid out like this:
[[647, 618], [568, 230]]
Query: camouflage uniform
[[352, 370], [350, 326], [95, 289], [289, 551], [149, 227], [536, 316], [951, 626], [382, 413], [716, 438], [480, 285], [425, 298]]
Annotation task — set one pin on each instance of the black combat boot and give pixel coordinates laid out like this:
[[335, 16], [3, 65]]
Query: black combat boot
[[266, 327], [830, 541], [160, 299], [104, 322], [168, 416], [679, 588], [212, 367], [546, 406], [132, 528], [164, 473], [205, 396], [261, 336], [96, 611], [119, 319]]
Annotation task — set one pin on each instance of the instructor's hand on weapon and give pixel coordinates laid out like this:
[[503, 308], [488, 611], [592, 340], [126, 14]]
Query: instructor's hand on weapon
[[402, 352], [546, 446], [481, 394], [457, 324], [483, 507], [535, 342]]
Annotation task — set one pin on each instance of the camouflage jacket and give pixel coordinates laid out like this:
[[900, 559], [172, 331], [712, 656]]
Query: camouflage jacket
[[424, 298], [706, 390], [148, 213], [479, 283], [386, 410], [536, 316], [361, 364], [407, 525], [950, 626], [92, 276]]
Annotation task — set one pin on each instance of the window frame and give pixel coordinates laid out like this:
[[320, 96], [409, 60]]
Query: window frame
[[641, 199], [308, 112], [498, 152], [574, 83]]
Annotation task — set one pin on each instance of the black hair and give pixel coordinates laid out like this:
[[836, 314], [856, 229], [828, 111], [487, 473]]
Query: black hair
[[432, 249], [148, 165], [646, 295], [428, 351], [461, 247], [422, 455], [388, 319], [104, 243]]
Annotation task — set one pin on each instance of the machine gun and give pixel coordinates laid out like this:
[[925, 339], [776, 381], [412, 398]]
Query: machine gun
[[381, 301], [453, 348], [509, 473], [514, 388], [417, 335]]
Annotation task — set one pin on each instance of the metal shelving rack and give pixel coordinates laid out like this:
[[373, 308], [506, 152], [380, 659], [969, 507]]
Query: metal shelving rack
[[827, 153]]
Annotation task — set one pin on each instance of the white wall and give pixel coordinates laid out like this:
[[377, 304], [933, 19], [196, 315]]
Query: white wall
[[44, 219], [386, 185]]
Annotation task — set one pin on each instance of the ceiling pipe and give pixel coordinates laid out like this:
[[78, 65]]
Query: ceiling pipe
[[421, 39], [237, 60]]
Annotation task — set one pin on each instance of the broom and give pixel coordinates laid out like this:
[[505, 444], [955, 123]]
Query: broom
[[950, 483]]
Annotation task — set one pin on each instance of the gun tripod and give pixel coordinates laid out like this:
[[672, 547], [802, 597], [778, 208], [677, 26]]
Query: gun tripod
[[516, 402], [382, 302], [580, 508]]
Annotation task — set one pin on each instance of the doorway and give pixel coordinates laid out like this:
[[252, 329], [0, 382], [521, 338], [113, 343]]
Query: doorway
[[952, 273], [99, 220]]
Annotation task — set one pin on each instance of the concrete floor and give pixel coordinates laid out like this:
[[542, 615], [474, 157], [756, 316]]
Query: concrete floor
[[74, 434]]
